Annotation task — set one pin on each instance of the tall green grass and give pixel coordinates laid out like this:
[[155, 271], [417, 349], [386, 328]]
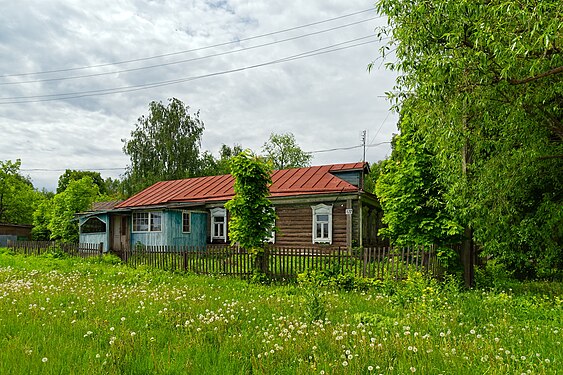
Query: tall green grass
[[73, 316]]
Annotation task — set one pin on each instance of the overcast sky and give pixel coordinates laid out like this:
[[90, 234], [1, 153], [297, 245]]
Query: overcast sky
[[325, 100]]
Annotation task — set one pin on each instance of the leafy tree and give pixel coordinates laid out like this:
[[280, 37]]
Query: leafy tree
[[77, 197], [164, 145], [411, 195], [210, 166], [225, 157], [488, 90], [375, 171], [251, 213], [282, 150], [73, 175], [41, 219], [17, 196], [113, 188]]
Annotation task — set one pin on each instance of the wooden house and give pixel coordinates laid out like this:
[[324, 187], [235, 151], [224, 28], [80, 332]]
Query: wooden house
[[14, 232], [315, 207]]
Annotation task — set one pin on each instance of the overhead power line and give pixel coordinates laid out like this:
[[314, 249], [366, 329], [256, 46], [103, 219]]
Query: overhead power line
[[123, 168], [188, 60], [189, 50], [123, 89]]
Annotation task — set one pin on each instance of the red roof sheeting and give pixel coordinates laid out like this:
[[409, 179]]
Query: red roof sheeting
[[285, 183]]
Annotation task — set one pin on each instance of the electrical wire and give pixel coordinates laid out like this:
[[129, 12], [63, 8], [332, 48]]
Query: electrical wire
[[123, 89], [189, 50], [187, 60], [120, 169]]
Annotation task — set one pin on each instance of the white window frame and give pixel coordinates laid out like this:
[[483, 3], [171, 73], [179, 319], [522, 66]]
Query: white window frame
[[322, 209], [150, 221], [216, 213], [189, 213]]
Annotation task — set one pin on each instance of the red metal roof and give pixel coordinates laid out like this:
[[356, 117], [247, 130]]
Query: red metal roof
[[285, 183]]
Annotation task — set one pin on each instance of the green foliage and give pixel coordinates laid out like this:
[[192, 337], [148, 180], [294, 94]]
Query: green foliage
[[493, 275], [41, 218], [164, 146], [77, 197], [411, 195], [334, 278], [252, 216], [73, 175], [283, 152], [484, 83], [375, 171], [210, 166], [315, 306], [17, 196]]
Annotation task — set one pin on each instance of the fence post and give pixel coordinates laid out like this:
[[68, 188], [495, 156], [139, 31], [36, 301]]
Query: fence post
[[100, 249]]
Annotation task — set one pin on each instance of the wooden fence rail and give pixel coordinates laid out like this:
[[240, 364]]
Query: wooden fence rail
[[82, 250], [281, 263]]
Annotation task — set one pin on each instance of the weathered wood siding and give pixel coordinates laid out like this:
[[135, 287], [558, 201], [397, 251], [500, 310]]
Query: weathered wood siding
[[171, 233], [198, 230], [295, 225], [20, 231]]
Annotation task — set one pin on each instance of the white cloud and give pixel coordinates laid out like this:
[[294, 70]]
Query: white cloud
[[325, 100]]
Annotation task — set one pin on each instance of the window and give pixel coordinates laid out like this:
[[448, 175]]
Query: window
[[156, 221], [147, 221], [93, 225], [218, 224], [322, 223], [186, 222]]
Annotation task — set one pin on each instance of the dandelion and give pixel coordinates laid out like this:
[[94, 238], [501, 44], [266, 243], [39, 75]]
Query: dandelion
[[413, 369], [370, 368], [345, 363], [44, 359], [122, 318]]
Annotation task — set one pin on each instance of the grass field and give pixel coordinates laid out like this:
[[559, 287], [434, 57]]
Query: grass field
[[73, 316]]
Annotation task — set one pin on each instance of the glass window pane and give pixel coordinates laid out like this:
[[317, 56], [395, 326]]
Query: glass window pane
[[322, 218], [186, 222], [156, 222], [141, 221]]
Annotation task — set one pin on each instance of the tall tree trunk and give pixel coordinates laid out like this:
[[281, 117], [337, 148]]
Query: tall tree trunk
[[467, 251]]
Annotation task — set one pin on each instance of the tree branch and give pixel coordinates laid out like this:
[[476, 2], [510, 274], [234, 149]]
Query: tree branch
[[534, 78]]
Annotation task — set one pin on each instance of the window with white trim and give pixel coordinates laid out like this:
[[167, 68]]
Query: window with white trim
[[322, 223], [186, 222], [218, 224], [147, 221]]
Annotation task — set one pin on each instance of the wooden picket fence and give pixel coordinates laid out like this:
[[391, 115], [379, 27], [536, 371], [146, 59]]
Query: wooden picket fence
[[83, 250], [279, 263]]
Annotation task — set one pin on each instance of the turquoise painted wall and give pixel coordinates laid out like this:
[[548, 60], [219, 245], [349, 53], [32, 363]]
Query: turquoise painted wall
[[172, 234], [96, 238]]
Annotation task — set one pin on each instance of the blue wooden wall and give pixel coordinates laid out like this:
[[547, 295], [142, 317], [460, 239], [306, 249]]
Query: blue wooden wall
[[172, 234], [96, 238]]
